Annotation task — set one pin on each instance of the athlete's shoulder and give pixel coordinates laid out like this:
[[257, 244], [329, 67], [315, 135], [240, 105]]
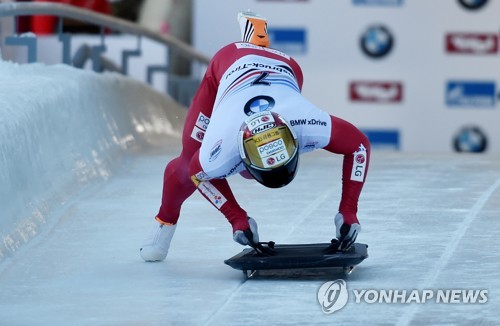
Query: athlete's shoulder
[[235, 51], [245, 48]]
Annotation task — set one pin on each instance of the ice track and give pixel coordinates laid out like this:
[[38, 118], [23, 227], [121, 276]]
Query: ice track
[[432, 222]]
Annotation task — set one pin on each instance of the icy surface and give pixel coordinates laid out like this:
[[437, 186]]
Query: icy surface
[[431, 222]]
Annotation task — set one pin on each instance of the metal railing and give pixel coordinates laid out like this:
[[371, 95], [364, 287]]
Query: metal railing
[[181, 88]]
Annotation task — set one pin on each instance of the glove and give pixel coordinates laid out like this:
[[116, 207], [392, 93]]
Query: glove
[[249, 237], [347, 231]]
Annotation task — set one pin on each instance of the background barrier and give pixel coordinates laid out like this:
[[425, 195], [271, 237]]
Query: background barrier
[[415, 75], [129, 44]]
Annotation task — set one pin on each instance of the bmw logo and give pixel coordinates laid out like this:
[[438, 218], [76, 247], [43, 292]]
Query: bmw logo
[[258, 104], [470, 139], [377, 41], [472, 4]]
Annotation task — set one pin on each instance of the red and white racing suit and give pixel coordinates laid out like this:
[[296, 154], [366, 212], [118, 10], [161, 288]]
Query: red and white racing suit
[[242, 79]]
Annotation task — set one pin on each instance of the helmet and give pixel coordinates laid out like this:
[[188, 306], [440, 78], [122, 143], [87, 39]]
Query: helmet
[[269, 149]]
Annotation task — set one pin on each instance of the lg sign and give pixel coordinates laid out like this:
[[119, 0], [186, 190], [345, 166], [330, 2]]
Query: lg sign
[[472, 43], [372, 91]]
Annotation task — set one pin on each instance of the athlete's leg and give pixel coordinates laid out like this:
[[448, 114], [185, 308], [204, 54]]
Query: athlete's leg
[[348, 140], [177, 184], [177, 187]]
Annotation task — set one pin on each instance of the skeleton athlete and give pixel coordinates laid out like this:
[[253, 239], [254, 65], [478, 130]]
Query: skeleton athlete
[[249, 117]]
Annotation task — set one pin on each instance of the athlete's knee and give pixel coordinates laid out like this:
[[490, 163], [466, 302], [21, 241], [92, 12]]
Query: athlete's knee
[[178, 167]]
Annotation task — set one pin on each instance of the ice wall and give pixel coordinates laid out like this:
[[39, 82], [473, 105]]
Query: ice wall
[[62, 128]]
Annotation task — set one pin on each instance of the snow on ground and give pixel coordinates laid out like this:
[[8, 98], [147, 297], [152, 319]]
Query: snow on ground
[[431, 222]]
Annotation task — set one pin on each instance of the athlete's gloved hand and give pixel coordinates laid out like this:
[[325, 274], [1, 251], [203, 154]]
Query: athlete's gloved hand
[[348, 229], [248, 237]]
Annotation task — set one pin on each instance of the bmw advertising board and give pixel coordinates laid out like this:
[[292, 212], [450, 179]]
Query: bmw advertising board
[[376, 41], [472, 4], [410, 71], [470, 139]]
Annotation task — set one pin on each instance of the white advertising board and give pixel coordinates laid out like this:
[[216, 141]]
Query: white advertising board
[[440, 74]]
